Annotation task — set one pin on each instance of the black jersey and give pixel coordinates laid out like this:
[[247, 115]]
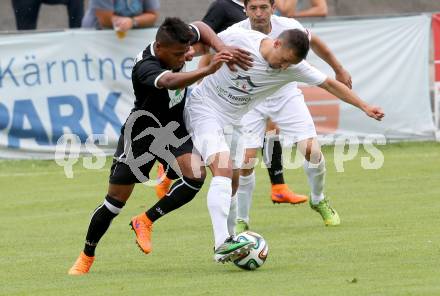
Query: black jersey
[[223, 13], [166, 105]]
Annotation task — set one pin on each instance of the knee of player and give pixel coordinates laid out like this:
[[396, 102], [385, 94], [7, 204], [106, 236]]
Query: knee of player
[[197, 174], [311, 150], [120, 193], [223, 169], [193, 169], [223, 172], [313, 154], [250, 159]]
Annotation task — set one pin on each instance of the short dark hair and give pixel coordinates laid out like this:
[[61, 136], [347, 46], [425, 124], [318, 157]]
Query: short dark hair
[[174, 30], [297, 40], [272, 2]]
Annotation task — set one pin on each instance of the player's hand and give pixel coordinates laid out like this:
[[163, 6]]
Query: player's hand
[[374, 112], [218, 59], [241, 58], [344, 77]]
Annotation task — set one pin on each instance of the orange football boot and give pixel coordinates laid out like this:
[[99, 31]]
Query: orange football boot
[[142, 227], [163, 182], [282, 194], [82, 265]]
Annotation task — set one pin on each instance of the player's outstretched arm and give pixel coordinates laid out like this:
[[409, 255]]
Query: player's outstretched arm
[[178, 80], [347, 95], [323, 51]]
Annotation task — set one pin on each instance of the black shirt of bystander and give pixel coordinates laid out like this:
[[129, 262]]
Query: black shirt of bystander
[[26, 12], [223, 13]]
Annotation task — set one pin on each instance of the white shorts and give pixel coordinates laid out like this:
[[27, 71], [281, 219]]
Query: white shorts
[[290, 114], [212, 134]]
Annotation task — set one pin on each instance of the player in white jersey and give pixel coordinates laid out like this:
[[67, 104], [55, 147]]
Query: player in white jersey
[[286, 108], [215, 107]]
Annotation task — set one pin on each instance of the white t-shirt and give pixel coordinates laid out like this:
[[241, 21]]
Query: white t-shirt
[[232, 94], [279, 24]]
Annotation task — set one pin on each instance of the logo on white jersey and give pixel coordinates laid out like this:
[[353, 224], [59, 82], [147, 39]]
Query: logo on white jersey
[[176, 96], [243, 84]]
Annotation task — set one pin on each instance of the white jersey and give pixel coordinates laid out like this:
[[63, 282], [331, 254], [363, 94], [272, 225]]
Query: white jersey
[[278, 25], [232, 94]]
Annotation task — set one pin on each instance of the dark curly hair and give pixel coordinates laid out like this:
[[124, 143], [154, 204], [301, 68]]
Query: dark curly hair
[[174, 30]]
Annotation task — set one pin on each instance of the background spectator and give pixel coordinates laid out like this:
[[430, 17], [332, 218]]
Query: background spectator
[[26, 12], [299, 8], [122, 15]]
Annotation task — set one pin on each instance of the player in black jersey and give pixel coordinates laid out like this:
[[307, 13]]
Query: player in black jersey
[[155, 130]]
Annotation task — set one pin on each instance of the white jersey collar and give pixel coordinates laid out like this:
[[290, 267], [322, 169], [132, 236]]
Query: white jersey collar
[[152, 49]]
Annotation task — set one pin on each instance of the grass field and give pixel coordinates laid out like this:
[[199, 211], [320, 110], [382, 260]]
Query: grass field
[[388, 243]]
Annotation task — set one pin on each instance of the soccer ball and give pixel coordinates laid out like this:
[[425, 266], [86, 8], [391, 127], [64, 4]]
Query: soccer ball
[[257, 255]]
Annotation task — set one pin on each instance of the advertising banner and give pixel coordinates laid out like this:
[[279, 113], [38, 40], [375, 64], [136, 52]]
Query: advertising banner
[[64, 82], [79, 82]]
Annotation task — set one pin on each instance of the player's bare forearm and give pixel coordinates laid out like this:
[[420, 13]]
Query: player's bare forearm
[[324, 52], [208, 36], [343, 92], [347, 95], [182, 79], [172, 80], [200, 49], [204, 61]]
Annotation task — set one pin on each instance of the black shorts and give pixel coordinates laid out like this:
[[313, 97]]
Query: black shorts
[[122, 174]]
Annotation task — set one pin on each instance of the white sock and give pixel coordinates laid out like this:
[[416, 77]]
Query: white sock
[[232, 218], [244, 196], [316, 176], [219, 202]]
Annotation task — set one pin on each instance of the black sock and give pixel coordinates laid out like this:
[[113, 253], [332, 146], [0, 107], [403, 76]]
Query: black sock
[[182, 192], [99, 223], [273, 158]]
